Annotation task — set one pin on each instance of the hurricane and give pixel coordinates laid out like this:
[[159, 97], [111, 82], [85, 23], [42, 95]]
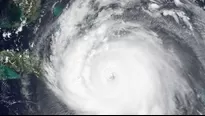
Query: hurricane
[[128, 57]]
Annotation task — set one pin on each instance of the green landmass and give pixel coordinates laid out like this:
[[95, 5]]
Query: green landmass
[[30, 9], [19, 63], [16, 11]]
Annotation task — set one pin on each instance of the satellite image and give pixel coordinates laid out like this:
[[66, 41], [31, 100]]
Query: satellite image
[[102, 57]]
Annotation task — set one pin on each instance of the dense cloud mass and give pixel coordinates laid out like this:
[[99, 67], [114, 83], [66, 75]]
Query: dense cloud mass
[[128, 57]]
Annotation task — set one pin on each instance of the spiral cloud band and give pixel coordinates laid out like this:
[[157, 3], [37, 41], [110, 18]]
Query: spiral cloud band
[[118, 57]]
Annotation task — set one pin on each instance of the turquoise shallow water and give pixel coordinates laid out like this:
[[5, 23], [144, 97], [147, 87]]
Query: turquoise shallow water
[[12, 98], [18, 92], [8, 73]]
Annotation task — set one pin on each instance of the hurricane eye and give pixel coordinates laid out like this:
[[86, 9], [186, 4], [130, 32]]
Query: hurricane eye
[[128, 57]]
